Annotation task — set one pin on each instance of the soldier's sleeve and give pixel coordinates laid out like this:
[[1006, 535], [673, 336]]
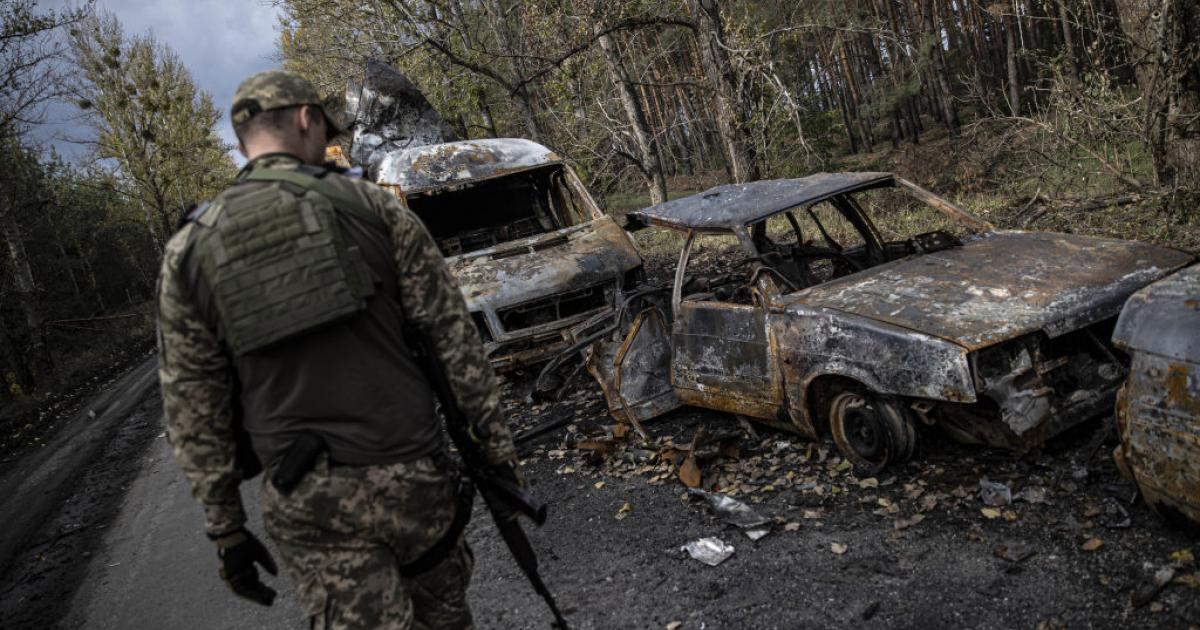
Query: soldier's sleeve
[[197, 388], [433, 302]]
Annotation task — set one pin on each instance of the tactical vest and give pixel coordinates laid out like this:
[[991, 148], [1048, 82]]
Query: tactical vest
[[275, 260]]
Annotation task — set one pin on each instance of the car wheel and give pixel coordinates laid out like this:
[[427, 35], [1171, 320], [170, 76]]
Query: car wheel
[[870, 431]]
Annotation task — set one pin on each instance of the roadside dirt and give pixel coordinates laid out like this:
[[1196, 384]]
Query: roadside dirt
[[611, 549]]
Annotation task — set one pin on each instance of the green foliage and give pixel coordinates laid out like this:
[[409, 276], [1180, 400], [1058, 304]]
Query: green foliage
[[150, 120]]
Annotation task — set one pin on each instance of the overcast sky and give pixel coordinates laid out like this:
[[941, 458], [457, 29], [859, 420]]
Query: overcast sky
[[220, 41]]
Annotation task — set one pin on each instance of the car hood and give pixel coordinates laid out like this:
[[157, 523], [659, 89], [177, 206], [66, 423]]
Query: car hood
[[518, 271], [1001, 285]]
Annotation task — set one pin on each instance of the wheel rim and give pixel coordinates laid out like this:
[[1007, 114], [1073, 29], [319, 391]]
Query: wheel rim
[[861, 434]]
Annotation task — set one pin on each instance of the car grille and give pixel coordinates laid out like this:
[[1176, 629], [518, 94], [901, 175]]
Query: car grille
[[553, 308]]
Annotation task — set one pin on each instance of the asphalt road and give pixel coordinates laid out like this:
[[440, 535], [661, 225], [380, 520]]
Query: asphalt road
[[110, 538]]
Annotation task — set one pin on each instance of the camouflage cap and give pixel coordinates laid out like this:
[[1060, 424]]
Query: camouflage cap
[[275, 89]]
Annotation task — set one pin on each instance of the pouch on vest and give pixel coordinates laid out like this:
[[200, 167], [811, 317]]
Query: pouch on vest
[[277, 264]]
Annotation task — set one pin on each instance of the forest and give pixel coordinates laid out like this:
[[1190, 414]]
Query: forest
[[1070, 115]]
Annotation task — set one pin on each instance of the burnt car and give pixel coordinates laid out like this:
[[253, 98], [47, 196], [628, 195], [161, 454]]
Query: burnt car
[[822, 324], [532, 252], [1158, 409]]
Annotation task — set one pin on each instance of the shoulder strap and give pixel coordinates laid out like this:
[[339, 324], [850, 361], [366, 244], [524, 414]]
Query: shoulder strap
[[341, 200]]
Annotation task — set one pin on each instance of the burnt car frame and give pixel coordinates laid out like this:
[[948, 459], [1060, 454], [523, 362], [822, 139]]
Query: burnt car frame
[[532, 252], [999, 337], [1158, 409]]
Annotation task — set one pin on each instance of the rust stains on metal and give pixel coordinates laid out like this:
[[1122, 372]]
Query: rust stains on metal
[[1158, 412], [997, 337]]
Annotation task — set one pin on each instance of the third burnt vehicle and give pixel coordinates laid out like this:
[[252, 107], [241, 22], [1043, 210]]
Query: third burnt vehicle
[[824, 323]]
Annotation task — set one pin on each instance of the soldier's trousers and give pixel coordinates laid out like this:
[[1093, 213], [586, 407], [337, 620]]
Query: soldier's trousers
[[344, 533]]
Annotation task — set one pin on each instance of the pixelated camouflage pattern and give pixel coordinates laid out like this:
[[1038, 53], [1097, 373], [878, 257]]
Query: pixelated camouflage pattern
[[344, 532], [273, 89], [196, 374]]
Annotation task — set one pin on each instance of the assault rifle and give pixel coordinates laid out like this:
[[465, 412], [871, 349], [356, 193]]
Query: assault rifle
[[505, 498]]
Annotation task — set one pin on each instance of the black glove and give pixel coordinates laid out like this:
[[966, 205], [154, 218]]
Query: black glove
[[238, 552]]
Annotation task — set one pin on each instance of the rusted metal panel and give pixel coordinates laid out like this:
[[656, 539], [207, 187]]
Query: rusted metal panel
[[634, 374], [438, 166], [735, 205], [817, 342], [1158, 412], [519, 271], [723, 359], [1001, 285]]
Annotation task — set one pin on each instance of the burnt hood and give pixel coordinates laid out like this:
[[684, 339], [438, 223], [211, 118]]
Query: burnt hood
[[1001, 285], [531, 268]]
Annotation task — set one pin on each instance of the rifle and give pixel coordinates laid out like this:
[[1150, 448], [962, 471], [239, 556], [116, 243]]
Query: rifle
[[504, 497]]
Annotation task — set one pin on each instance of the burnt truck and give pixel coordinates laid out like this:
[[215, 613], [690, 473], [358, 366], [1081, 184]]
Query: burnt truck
[[1158, 409], [824, 324], [532, 252]]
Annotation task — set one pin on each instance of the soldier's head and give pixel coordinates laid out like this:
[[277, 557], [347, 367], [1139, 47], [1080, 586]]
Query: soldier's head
[[280, 112]]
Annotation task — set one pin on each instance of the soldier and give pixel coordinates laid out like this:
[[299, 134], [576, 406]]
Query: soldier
[[281, 309]]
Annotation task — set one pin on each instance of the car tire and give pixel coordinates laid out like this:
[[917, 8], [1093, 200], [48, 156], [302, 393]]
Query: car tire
[[872, 432]]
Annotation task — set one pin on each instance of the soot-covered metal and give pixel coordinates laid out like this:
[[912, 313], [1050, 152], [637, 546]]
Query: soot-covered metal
[[531, 250], [1158, 411], [998, 337]]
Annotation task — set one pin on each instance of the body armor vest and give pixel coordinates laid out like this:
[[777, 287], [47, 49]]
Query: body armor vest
[[275, 260]]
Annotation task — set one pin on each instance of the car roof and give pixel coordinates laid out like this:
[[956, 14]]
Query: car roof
[[434, 166], [736, 205]]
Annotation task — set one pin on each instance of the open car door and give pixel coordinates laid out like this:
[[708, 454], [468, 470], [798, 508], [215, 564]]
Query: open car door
[[633, 366]]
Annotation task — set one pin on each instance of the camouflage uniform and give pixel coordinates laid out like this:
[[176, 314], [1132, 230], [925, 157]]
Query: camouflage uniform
[[345, 530]]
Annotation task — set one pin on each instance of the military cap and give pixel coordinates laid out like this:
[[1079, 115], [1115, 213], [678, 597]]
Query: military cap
[[275, 89]]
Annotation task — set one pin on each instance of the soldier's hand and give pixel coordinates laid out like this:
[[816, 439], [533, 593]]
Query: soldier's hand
[[239, 552]]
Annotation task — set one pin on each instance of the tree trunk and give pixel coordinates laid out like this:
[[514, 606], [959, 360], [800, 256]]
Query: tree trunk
[[648, 154], [1068, 39], [37, 355], [1010, 56], [944, 96], [714, 57], [1164, 36]]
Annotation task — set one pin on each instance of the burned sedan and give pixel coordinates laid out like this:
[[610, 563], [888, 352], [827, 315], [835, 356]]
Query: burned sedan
[[823, 324], [531, 250]]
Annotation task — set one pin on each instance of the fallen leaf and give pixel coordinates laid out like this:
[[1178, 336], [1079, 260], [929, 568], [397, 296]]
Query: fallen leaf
[[990, 513], [870, 482], [1093, 511], [624, 511], [1105, 580], [1190, 580], [674, 625], [1157, 607], [838, 548], [689, 472], [598, 485], [791, 527], [810, 514], [620, 431], [905, 523], [1183, 558], [1010, 515], [884, 502], [1092, 544], [928, 502]]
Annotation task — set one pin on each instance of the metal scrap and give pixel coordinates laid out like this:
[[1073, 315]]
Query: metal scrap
[[711, 551]]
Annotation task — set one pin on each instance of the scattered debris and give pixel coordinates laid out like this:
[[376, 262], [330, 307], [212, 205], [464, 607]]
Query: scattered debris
[[711, 551], [1092, 544], [1032, 494], [736, 513], [839, 548], [624, 511], [1149, 588], [905, 523], [994, 494]]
